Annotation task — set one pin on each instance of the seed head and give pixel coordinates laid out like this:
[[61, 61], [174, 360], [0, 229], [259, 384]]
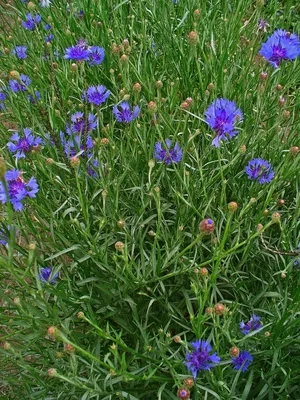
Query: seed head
[[185, 105], [104, 141], [193, 38], [232, 206], [207, 226], [119, 246]]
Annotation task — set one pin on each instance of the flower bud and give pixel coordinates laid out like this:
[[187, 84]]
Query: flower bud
[[189, 382], [185, 105], [294, 150], [74, 162], [74, 67], [207, 226], [6, 346], [280, 202], [159, 84], [281, 101], [137, 88], [267, 334], [275, 218], [210, 86], [183, 393], [263, 76], [209, 310], [197, 14], [17, 301], [119, 246], [126, 97], [52, 331], [14, 74], [242, 149], [266, 212], [203, 271], [52, 372], [232, 206], [219, 309], [59, 354], [6, 50], [80, 315], [283, 275], [49, 161], [69, 348], [287, 114], [279, 87], [152, 107], [121, 223], [31, 6], [124, 59], [193, 38], [260, 227], [177, 339], [234, 351]]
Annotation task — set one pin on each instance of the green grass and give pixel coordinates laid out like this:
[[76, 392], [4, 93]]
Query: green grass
[[136, 301]]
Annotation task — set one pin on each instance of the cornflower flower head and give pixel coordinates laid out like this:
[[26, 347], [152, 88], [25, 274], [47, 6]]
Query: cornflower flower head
[[262, 25], [24, 144], [20, 52], [123, 113], [2, 99], [46, 276], [96, 95], [252, 325], [82, 124], [281, 45], [18, 189], [260, 170], [201, 358], [45, 3], [31, 22], [83, 44], [4, 235], [37, 97], [96, 55], [20, 85], [221, 116], [242, 361], [165, 153], [47, 27], [49, 38], [76, 53]]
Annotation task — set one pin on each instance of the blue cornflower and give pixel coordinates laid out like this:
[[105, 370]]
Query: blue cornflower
[[281, 45], [47, 27], [36, 98], [96, 95], [18, 189], [31, 22], [83, 44], [21, 84], [45, 3], [76, 53], [96, 55], [260, 170], [4, 235], [24, 144], [2, 98], [49, 38], [81, 124], [201, 359], [20, 52], [124, 114], [45, 275], [167, 154], [252, 325], [221, 116], [242, 361]]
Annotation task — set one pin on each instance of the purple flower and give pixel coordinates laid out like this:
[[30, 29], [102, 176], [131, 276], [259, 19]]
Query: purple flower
[[18, 189], [96, 94], [76, 53], [36, 98], [260, 170], [47, 27], [31, 22], [221, 116], [242, 361], [201, 359], [83, 44], [45, 276], [252, 325], [20, 85], [167, 154], [49, 38], [4, 235], [262, 25], [81, 124], [23, 145], [96, 55], [124, 114], [20, 52], [281, 45]]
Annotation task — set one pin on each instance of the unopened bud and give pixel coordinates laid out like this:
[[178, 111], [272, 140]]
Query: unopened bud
[[32, 246], [49, 161], [267, 334], [281, 101], [283, 275], [260, 227], [280, 202], [80, 315], [203, 271], [294, 150], [197, 14], [119, 246], [266, 212], [209, 310], [59, 354], [53, 331], [219, 309], [52, 372], [159, 84], [263, 76], [6, 346], [232, 206], [193, 38], [121, 223], [279, 87], [183, 394], [185, 105], [242, 149], [275, 218], [17, 301], [74, 67], [152, 107], [69, 348], [31, 6], [234, 351], [2, 168], [14, 74], [124, 59], [177, 339]]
